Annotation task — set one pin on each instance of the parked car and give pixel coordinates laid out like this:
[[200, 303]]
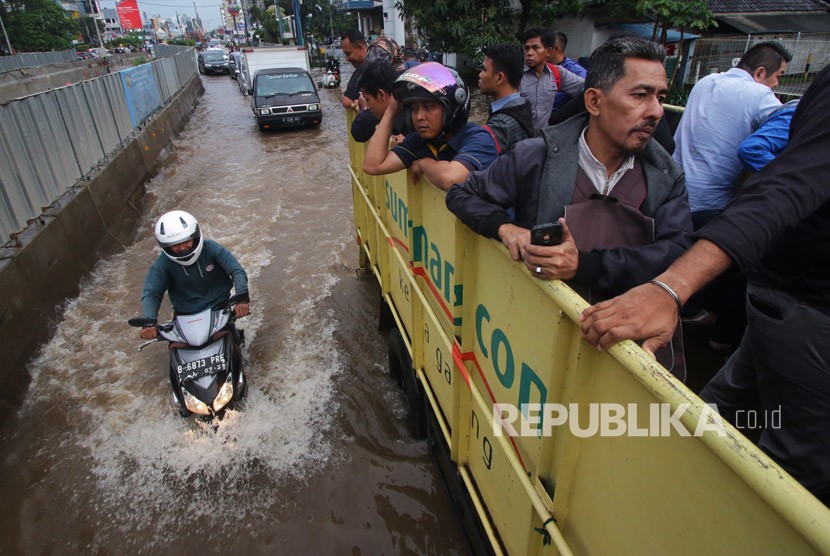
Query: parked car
[[213, 61], [235, 64]]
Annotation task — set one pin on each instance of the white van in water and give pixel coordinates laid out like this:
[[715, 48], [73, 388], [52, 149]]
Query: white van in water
[[282, 92]]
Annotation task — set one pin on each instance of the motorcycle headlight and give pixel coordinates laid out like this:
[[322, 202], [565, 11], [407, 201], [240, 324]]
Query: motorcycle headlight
[[313, 106], [225, 394], [194, 404], [264, 111]]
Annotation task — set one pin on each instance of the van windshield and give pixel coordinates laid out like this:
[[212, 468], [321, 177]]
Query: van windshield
[[283, 84]]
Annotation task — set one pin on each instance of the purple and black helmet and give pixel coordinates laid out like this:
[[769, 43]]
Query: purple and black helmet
[[434, 81]]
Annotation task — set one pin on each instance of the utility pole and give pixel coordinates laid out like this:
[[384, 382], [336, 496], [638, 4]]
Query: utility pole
[[331, 26], [279, 19], [296, 4], [8, 44], [96, 8], [197, 25], [245, 9]]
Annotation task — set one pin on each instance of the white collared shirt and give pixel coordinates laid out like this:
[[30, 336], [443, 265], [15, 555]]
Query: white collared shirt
[[596, 170], [723, 109]]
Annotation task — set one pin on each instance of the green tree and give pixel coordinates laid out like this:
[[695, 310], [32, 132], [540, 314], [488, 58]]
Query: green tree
[[319, 25], [38, 26], [668, 14], [461, 25], [129, 40], [255, 14], [469, 25]]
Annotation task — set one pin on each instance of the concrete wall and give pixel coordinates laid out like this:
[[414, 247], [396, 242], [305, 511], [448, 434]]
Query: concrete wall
[[31, 81], [60, 247], [581, 36]]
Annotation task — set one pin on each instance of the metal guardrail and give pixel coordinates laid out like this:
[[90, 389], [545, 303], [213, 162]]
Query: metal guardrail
[[51, 140], [35, 59]]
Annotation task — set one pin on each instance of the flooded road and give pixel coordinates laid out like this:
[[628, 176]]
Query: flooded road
[[318, 461]]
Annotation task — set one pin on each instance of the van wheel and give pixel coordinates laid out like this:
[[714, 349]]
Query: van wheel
[[400, 367]]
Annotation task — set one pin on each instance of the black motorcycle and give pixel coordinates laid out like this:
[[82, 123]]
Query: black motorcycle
[[207, 368]]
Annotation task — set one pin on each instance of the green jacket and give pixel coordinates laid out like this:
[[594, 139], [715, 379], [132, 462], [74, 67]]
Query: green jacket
[[202, 285]]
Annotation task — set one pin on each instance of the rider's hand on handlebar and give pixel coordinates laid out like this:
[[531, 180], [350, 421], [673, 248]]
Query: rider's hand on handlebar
[[242, 310], [149, 333]]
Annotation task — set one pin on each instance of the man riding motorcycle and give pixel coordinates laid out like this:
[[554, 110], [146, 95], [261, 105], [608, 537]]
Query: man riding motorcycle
[[197, 274], [333, 65]]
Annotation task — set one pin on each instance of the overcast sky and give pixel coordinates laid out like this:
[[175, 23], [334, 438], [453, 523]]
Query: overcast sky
[[208, 10]]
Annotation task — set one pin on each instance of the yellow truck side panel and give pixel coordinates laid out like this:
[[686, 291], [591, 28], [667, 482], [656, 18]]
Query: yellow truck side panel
[[646, 481]]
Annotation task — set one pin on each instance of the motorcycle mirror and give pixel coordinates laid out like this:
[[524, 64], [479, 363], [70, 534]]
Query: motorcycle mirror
[[141, 322]]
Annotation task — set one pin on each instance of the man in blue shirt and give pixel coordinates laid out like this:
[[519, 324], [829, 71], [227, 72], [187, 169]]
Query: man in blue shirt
[[444, 148], [510, 119], [376, 89], [557, 57]]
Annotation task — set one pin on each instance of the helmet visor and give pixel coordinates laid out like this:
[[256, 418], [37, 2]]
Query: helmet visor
[[431, 76]]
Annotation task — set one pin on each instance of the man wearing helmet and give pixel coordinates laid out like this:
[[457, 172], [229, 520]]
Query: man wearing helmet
[[196, 273], [444, 147]]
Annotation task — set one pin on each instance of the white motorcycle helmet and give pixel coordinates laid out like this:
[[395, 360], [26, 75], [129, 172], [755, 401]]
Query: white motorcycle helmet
[[175, 227]]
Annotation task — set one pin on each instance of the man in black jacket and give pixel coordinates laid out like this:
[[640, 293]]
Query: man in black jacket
[[376, 89], [510, 119], [591, 166], [777, 230]]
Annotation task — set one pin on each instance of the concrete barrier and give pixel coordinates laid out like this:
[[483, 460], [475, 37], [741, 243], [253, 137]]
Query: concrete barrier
[[61, 246], [31, 81]]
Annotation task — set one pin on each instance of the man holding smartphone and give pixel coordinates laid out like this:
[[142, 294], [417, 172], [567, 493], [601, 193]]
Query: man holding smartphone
[[619, 197]]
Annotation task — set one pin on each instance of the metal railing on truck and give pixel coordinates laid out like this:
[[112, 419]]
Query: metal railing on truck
[[480, 330]]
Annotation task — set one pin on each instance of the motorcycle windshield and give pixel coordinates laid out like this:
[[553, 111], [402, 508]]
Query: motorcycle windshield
[[197, 329]]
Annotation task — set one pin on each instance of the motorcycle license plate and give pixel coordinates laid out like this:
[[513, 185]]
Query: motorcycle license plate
[[205, 366]]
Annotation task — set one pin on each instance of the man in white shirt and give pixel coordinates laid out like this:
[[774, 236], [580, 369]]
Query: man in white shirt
[[724, 109], [539, 84]]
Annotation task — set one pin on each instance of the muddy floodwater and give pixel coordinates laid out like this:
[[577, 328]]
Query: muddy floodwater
[[318, 461]]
